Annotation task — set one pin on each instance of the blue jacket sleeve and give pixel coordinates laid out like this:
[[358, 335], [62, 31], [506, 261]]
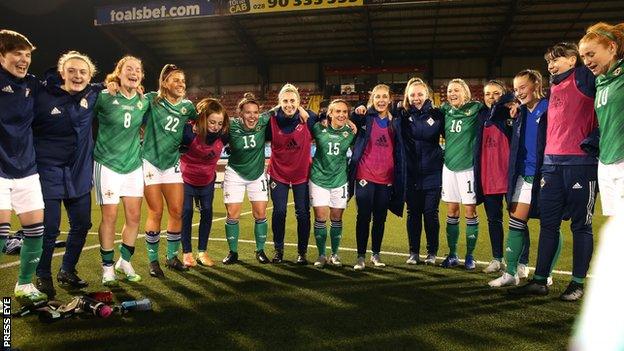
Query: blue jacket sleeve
[[591, 144], [585, 81], [187, 137], [312, 119]]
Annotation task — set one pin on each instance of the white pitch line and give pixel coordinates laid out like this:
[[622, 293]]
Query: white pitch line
[[91, 247], [349, 249]]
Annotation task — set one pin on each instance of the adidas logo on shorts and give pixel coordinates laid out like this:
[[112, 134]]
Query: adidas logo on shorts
[[55, 111], [577, 186]]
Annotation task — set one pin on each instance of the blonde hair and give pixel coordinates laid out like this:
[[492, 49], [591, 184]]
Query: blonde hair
[[114, 76], [605, 34], [76, 55], [289, 88], [414, 82], [535, 77], [205, 108], [464, 86], [372, 92]]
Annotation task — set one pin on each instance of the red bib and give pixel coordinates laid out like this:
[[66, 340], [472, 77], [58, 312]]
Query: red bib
[[571, 118], [290, 154], [494, 161], [377, 162], [199, 163]]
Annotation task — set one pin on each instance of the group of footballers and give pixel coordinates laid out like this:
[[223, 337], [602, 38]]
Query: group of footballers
[[546, 154]]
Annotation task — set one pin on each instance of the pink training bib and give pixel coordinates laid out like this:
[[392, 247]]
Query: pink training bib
[[571, 118], [199, 163], [290, 154], [377, 162], [494, 161]]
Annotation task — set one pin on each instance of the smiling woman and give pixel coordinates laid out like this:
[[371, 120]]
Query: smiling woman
[[20, 189], [291, 136], [458, 171], [64, 112], [117, 169], [168, 113], [602, 51], [76, 70]]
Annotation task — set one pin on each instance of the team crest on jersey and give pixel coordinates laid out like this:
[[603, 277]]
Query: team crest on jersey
[[84, 103], [345, 134], [183, 110], [430, 121], [139, 105], [617, 71]]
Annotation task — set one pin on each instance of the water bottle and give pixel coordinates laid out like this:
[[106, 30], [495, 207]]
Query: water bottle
[[95, 307], [137, 305]]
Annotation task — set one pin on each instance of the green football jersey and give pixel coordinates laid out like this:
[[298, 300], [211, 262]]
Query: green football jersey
[[460, 126], [609, 104], [329, 165], [247, 147], [118, 144], [163, 130]]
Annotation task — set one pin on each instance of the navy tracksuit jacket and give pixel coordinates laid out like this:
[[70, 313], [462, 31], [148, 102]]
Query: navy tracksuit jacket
[[423, 159], [64, 153]]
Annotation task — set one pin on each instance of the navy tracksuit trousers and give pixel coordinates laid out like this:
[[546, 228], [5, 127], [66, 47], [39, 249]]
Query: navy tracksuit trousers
[[204, 195], [79, 215], [422, 207], [372, 201], [568, 192], [279, 196]]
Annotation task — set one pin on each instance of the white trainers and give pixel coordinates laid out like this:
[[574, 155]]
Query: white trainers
[[108, 276], [28, 294], [523, 271], [123, 266], [494, 266], [360, 265], [413, 259], [549, 281], [430, 260], [335, 260], [376, 261], [320, 262], [505, 280]]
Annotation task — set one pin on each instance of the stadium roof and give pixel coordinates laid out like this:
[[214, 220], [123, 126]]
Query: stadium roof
[[368, 34]]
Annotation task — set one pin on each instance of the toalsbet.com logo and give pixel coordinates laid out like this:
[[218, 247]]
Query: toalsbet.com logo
[[6, 323]]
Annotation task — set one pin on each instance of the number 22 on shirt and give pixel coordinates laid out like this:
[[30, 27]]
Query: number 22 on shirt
[[172, 124]]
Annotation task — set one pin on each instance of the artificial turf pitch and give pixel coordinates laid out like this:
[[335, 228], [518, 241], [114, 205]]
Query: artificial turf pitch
[[289, 307]]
